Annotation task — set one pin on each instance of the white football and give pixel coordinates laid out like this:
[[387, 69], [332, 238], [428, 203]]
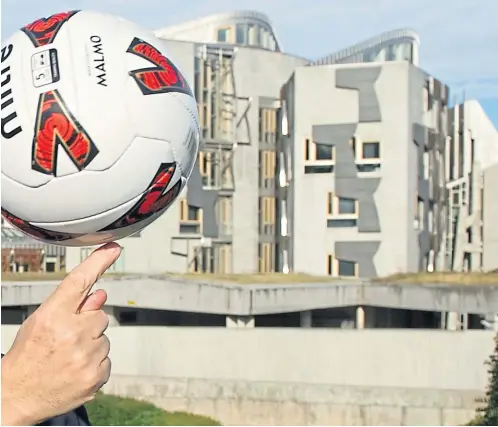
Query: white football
[[99, 129]]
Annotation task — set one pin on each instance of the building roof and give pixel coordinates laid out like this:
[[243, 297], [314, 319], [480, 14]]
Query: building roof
[[252, 15], [383, 40]]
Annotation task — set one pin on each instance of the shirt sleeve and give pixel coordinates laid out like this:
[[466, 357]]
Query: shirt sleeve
[[78, 417]]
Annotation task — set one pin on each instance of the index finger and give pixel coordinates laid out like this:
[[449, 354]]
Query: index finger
[[75, 287]]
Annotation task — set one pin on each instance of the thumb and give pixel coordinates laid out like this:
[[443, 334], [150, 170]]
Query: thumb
[[73, 290]]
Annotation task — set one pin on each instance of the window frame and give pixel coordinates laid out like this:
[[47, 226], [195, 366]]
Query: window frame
[[266, 257], [229, 34], [310, 153], [225, 214], [268, 128], [370, 159], [185, 223], [332, 207], [332, 266], [267, 215]]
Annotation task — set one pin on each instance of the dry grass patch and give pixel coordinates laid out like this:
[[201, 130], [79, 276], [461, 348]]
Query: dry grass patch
[[267, 278], [468, 279]]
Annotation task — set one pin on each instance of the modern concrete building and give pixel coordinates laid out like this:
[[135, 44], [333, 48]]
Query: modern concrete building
[[362, 172], [472, 203], [330, 167], [226, 221]]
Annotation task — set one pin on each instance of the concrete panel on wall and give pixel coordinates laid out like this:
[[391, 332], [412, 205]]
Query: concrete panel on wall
[[363, 80], [204, 199], [347, 183], [360, 252]]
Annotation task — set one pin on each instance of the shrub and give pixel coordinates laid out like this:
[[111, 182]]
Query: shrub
[[487, 414], [107, 410]]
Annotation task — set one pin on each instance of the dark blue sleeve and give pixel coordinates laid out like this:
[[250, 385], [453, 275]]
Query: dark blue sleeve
[[78, 417]]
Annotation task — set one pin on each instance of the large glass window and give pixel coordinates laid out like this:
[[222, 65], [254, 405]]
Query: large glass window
[[324, 152], [371, 150], [347, 206], [346, 268], [391, 52], [241, 34], [224, 34]]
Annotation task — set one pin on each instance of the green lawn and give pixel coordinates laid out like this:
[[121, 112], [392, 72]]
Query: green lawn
[[107, 410]]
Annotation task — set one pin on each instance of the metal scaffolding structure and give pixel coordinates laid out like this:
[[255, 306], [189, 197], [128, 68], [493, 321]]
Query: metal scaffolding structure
[[217, 103]]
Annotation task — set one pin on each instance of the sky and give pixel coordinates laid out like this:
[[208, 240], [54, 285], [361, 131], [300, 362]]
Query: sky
[[459, 38]]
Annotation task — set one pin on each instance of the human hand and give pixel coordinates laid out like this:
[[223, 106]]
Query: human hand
[[59, 359]]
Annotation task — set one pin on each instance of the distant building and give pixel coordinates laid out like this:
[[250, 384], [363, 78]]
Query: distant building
[[22, 254]]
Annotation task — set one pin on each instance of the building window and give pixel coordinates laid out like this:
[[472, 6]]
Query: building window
[[268, 125], [318, 152], [342, 223], [225, 215], [241, 34], [391, 53], [420, 213], [267, 216], [224, 34], [308, 169], [340, 267], [190, 218], [254, 35], [366, 155], [426, 165], [216, 169], [346, 268], [267, 165], [370, 56], [324, 152], [341, 206], [347, 206], [206, 169], [266, 257], [371, 150], [223, 259]]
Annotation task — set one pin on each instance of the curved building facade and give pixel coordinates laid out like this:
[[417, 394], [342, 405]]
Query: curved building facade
[[243, 28], [396, 45]]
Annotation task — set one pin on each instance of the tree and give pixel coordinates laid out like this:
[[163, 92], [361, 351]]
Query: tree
[[487, 415]]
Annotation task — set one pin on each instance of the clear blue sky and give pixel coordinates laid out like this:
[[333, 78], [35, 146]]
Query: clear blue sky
[[459, 38]]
